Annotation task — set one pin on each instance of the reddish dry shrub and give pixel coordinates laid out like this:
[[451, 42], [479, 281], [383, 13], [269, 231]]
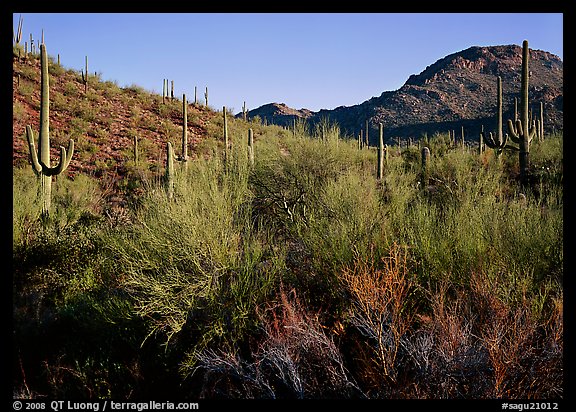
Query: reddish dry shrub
[[294, 359], [477, 345], [525, 355], [470, 342], [380, 310]]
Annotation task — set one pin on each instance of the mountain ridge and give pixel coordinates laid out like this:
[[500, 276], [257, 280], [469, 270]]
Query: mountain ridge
[[458, 90]]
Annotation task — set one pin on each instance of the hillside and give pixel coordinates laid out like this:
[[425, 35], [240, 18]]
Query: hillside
[[457, 90], [105, 119]]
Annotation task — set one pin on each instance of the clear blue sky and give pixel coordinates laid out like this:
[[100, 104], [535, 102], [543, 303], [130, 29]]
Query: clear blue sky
[[316, 61]]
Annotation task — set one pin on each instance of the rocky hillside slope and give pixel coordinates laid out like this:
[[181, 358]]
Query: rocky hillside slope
[[457, 90]]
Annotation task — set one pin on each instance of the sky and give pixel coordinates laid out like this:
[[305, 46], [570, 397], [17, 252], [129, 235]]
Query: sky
[[305, 60]]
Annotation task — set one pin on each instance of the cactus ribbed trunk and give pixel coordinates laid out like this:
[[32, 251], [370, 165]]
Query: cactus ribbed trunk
[[481, 140], [497, 141], [169, 170], [41, 159], [499, 134], [251, 147], [425, 165], [525, 143], [44, 136], [184, 128], [380, 151], [226, 154], [86, 77], [523, 132], [541, 121]]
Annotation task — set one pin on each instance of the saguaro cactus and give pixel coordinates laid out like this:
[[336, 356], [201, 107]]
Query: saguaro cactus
[[541, 128], [41, 159], [380, 151], [184, 156], [497, 141], [425, 165], [251, 147], [481, 140], [206, 96], [523, 132], [18, 34], [226, 154], [85, 76], [135, 150], [169, 176]]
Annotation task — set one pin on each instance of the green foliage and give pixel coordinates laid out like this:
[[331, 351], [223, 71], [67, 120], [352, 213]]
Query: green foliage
[[122, 302]]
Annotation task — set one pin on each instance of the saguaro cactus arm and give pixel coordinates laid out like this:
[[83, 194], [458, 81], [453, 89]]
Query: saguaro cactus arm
[[491, 140], [517, 131], [36, 166], [39, 166]]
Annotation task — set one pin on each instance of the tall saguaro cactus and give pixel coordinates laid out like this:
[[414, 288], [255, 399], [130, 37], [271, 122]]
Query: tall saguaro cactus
[[226, 154], [135, 147], [541, 124], [85, 76], [184, 156], [425, 165], [169, 176], [380, 151], [497, 141], [18, 34], [522, 132], [251, 146], [41, 158]]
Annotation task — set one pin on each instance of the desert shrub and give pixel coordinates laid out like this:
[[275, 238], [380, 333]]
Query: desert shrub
[[294, 358], [71, 89], [186, 257], [19, 112], [382, 307]]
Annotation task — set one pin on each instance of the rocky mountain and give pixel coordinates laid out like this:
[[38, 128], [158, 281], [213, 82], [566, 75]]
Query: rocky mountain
[[278, 113], [457, 90]]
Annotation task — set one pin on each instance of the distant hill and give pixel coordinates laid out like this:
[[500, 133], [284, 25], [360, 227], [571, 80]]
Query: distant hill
[[457, 90], [278, 113]]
